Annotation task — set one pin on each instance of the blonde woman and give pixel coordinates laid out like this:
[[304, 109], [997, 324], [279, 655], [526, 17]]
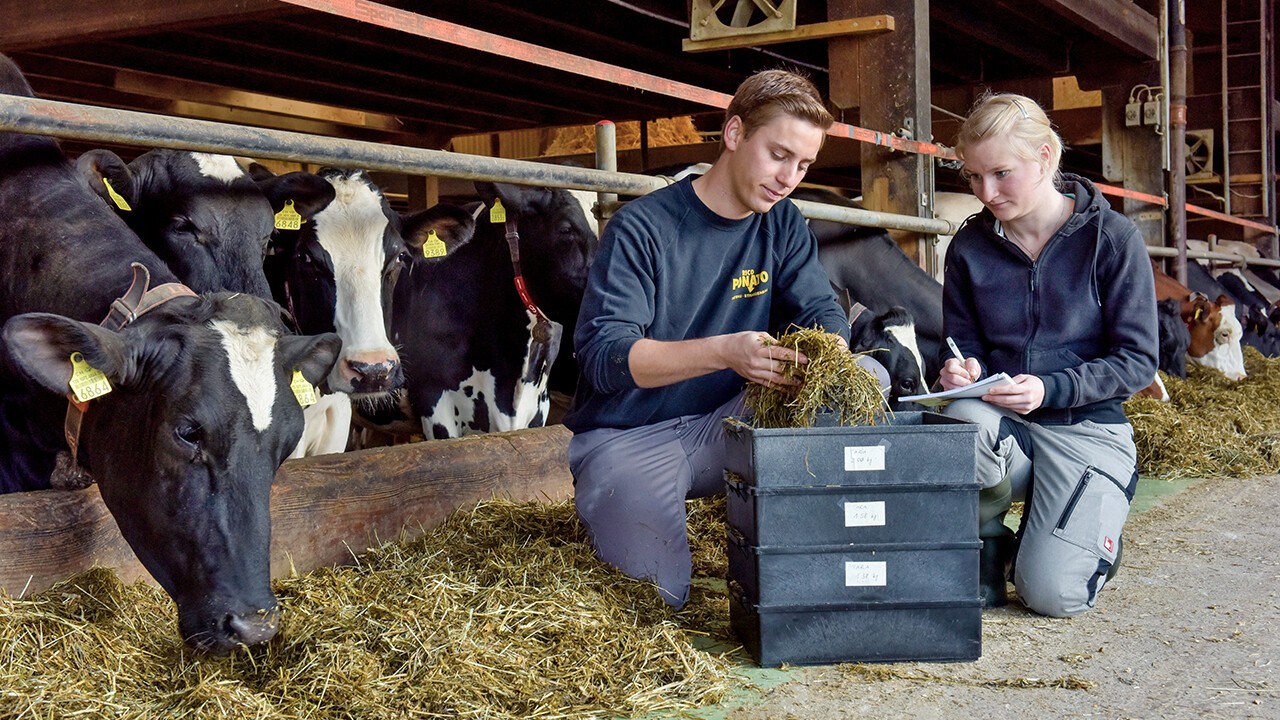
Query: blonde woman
[[1050, 285]]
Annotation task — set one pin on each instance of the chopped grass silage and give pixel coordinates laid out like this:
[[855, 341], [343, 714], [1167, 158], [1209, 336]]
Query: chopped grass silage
[[832, 381], [502, 612]]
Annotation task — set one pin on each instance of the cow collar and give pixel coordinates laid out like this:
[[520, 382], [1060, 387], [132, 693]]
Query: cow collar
[[136, 301], [513, 243]]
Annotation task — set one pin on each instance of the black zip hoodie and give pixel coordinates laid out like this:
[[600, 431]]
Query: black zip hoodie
[[1081, 317]]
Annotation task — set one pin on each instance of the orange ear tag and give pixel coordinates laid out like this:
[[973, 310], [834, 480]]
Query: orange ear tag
[[288, 218], [434, 247]]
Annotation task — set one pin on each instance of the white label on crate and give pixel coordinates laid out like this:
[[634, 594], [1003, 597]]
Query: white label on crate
[[865, 574], [863, 457], [864, 514]]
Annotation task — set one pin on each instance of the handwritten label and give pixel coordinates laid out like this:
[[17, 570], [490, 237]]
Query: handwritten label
[[864, 514], [865, 574], [861, 458]]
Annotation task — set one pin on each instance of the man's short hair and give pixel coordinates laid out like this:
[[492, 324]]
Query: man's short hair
[[770, 93]]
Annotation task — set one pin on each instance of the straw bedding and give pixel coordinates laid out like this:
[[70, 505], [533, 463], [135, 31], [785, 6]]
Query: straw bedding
[[502, 612]]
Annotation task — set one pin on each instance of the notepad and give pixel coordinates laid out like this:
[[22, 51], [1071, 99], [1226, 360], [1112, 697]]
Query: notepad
[[974, 390]]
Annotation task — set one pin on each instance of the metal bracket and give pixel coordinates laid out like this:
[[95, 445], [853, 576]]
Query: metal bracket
[[704, 24]]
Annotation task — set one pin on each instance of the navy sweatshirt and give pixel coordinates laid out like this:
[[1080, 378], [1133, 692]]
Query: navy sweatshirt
[[671, 269], [1082, 317]]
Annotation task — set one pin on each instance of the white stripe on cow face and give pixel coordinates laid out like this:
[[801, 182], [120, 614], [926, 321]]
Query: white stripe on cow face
[[588, 200], [906, 337], [1226, 355], [218, 167], [251, 359], [351, 229]]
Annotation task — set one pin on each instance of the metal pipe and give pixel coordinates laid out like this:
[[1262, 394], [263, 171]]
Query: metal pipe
[[1174, 61], [108, 125], [606, 159], [1232, 258]]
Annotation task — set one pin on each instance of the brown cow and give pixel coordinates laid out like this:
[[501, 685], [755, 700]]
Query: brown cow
[[1215, 331]]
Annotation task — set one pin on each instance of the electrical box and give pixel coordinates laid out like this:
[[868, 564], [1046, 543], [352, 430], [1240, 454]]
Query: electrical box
[[1151, 112], [1133, 114]]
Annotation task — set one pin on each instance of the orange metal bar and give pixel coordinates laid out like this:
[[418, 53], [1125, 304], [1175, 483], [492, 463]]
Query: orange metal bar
[[404, 21], [1157, 200]]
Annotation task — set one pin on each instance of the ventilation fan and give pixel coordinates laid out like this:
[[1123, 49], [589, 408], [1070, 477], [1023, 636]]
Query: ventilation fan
[[747, 17], [1199, 155]]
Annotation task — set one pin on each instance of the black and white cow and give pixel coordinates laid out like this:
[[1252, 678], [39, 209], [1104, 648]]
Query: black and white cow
[[890, 339], [185, 446], [472, 360], [203, 214]]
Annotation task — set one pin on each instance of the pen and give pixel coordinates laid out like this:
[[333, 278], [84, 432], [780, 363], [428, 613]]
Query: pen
[[959, 356]]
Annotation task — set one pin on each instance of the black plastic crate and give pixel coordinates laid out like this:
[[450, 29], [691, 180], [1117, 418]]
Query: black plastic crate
[[906, 448], [842, 574], [869, 632], [859, 514]]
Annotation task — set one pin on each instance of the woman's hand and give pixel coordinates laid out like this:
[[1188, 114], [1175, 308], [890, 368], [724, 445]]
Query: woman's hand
[[954, 374], [1024, 395]]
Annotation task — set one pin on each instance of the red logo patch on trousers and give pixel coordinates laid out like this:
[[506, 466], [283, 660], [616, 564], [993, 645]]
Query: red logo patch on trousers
[[1107, 544]]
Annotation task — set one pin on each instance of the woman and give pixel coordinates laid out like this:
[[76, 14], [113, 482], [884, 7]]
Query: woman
[[1053, 287]]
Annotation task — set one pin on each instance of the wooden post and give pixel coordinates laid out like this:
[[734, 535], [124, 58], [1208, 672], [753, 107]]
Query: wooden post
[[886, 77], [1131, 158]]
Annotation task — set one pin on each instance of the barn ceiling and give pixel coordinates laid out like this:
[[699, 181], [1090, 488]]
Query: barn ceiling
[[274, 64]]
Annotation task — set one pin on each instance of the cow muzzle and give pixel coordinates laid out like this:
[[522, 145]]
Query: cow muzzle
[[224, 633]]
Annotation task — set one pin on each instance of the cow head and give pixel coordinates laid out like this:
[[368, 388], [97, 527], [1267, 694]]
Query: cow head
[[1226, 355], [185, 446], [1174, 338], [339, 270], [890, 339], [1202, 318]]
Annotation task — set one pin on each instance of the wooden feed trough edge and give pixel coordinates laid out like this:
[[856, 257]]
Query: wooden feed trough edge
[[324, 510]]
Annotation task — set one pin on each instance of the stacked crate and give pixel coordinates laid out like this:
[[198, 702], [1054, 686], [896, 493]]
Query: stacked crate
[[855, 544]]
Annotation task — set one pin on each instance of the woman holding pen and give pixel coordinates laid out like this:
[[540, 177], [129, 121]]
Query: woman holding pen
[[1051, 286]]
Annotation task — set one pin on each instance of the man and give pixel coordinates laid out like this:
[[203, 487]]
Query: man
[[687, 286]]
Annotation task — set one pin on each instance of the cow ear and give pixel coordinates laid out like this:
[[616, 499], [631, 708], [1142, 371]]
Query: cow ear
[[452, 225], [309, 192], [314, 355], [40, 346], [110, 178]]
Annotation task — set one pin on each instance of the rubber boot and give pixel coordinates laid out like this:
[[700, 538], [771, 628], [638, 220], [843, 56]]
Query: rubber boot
[[993, 568]]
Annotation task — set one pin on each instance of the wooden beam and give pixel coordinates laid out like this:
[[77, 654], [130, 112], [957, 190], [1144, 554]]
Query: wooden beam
[[816, 31], [324, 510], [1120, 24], [41, 23], [143, 83]]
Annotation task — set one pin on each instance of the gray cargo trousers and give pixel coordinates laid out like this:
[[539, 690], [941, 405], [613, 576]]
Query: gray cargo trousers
[[1076, 482]]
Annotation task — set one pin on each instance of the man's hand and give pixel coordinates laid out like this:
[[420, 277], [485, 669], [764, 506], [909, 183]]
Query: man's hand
[[757, 357]]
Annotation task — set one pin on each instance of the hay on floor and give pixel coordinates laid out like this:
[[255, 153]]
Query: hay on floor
[[1212, 426], [503, 612]]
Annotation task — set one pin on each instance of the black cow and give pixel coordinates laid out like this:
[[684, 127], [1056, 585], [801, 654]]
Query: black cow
[[476, 359], [1174, 337], [185, 446], [890, 339], [203, 214]]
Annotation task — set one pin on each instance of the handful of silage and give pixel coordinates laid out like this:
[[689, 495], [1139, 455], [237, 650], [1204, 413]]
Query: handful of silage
[[832, 381]]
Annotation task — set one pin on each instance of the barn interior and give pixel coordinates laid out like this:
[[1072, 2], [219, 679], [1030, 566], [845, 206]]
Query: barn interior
[[357, 70]]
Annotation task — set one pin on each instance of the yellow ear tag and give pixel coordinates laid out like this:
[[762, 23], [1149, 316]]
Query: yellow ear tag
[[302, 389], [87, 382], [497, 213], [288, 218], [1197, 315], [116, 197], [434, 247]]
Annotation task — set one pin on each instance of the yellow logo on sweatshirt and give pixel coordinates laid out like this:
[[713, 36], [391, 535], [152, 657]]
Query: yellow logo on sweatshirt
[[746, 284]]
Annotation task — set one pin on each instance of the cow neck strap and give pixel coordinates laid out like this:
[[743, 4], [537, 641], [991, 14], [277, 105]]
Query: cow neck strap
[[855, 311], [136, 301], [513, 243]]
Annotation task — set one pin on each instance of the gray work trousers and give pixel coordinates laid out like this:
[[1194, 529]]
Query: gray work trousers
[[1076, 482], [630, 487]]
